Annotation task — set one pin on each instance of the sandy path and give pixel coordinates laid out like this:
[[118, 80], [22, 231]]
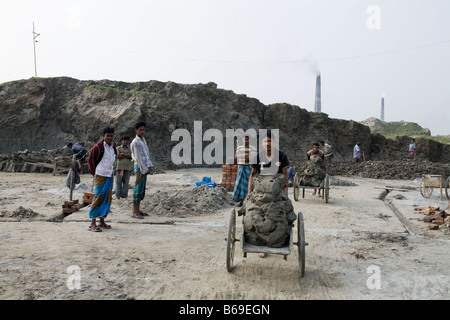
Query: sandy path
[[353, 241]]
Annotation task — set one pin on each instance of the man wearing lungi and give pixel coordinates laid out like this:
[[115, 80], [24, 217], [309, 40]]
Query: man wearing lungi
[[100, 164], [142, 167], [244, 154]]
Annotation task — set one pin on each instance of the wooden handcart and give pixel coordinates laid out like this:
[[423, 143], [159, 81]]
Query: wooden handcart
[[429, 182], [324, 187]]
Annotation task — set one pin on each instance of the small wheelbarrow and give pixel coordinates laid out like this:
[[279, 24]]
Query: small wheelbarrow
[[324, 187], [250, 248]]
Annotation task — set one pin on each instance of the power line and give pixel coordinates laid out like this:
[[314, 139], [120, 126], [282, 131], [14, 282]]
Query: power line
[[261, 61]]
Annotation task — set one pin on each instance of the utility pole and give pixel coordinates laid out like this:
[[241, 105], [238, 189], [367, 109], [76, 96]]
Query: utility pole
[[35, 35]]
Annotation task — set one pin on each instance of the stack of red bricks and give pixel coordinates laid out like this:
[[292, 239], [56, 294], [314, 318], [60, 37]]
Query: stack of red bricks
[[70, 206], [229, 174], [88, 197], [435, 217]]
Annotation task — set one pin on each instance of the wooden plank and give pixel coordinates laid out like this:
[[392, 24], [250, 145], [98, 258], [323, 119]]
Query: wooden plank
[[43, 164]]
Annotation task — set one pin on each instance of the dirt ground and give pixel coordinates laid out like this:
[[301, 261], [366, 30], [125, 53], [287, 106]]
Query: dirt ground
[[359, 247]]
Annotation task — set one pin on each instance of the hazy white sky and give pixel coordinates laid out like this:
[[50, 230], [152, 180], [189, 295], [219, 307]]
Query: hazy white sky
[[268, 50]]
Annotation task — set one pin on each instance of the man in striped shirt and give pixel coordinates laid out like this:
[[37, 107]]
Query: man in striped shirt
[[244, 154]]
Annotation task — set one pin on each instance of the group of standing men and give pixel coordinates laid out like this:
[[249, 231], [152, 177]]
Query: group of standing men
[[102, 157]]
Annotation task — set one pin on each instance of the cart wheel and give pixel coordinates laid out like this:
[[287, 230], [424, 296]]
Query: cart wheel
[[326, 190], [231, 240], [425, 190], [296, 186], [447, 186], [301, 243]]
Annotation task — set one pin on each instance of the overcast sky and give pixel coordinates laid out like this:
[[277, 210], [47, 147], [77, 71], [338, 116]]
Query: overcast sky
[[268, 50]]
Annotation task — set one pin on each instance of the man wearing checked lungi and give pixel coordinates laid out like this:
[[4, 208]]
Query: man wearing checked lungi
[[142, 167], [101, 165], [244, 154]]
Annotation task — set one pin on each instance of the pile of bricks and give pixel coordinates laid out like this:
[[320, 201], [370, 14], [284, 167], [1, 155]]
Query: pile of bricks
[[435, 217], [88, 197], [229, 174], [70, 206]]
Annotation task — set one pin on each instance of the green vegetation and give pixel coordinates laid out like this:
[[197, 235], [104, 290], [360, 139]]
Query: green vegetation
[[441, 139], [391, 130]]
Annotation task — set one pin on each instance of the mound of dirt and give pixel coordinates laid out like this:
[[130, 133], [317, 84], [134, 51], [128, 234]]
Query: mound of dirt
[[191, 202], [21, 212], [398, 169], [186, 178]]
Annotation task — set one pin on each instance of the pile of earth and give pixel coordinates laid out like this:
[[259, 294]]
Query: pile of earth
[[397, 169], [21, 213], [191, 202], [186, 178]]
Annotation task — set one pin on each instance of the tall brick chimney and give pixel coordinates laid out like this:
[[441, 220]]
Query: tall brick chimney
[[382, 110], [318, 102]]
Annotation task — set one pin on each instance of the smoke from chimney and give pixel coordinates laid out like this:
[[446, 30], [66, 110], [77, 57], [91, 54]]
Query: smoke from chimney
[[318, 102]]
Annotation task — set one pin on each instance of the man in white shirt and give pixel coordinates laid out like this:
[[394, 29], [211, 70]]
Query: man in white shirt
[[142, 167], [101, 165]]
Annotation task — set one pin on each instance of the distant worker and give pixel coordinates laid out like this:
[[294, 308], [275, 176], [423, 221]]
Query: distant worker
[[412, 149], [327, 150], [357, 152], [80, 152]]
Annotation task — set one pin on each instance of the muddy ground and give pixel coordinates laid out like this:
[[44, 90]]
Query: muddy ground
[[359, 247]]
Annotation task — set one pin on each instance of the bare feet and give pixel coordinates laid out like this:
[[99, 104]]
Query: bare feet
[[262, 255]]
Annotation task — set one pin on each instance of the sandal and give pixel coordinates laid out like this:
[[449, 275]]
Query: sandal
[[94, 228], [137, 215], [102, 225], [143, 213]]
